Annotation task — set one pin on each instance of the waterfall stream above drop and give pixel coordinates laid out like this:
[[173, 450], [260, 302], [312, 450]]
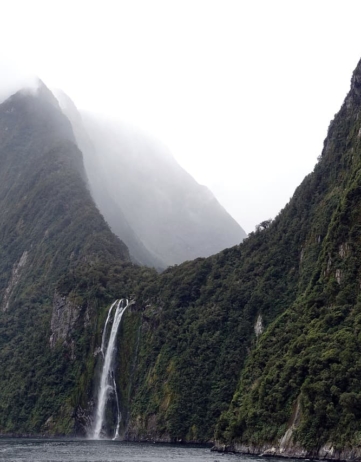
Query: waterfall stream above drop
[[107, 381]]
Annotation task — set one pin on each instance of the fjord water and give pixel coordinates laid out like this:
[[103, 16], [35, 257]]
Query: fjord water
[[32, 450]]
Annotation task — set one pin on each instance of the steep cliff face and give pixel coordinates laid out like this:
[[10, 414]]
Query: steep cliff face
[[64, 316], [309, 358], [59, 265]]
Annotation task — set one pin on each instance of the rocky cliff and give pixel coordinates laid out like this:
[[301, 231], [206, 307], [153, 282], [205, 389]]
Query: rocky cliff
[[59, 265]]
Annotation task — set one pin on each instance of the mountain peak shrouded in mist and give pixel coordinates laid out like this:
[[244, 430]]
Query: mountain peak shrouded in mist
[[14, 79], [149, 200], [53, 239], [36, 133]]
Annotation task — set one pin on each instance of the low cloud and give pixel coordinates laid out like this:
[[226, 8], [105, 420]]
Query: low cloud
[[13, 78]]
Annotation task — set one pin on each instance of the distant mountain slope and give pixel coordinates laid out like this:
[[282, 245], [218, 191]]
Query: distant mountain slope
[[135, 180], [175, 217], [100, 187]]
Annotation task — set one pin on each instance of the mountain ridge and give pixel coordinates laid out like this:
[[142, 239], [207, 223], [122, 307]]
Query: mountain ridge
[[99, 189], [172, 217]]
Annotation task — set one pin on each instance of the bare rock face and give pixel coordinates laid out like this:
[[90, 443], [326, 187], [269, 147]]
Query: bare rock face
[[140, 430], [84, 419], [65, 314], [15, 277], [288, 447], [258, 328], [294, 451]]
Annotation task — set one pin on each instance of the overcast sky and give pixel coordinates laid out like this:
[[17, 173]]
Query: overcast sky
[[242, 92]]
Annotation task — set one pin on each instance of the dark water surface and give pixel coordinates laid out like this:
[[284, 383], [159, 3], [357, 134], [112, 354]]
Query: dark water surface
[[32, 450]]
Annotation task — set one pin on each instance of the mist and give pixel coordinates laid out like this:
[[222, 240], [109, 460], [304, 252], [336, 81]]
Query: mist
[[242, 99], [163, 215], [15, 78]]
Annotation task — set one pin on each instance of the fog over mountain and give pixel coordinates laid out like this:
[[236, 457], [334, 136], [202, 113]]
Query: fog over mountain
[[14, 79], [162, 214]]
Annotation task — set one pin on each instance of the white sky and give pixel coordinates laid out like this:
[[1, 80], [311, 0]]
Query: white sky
[[242, 92]]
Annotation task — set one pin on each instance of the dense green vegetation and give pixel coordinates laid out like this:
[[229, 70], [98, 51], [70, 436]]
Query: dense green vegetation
[[241, 346], [311, 354]]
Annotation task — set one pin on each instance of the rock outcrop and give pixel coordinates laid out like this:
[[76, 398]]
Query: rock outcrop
[[14, 279], [65, 314]]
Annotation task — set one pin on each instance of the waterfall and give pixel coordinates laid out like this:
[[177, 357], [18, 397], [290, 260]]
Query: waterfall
[[107, 380], [105, 327], [119, 415]]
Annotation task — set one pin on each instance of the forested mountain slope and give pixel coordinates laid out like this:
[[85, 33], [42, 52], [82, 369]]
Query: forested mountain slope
[[300, 391], [280, 312], [203, 318], [59, 264]]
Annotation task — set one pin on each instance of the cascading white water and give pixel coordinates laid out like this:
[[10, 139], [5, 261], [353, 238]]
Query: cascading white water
[[104, 336], [107, 381], [119, 415]]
